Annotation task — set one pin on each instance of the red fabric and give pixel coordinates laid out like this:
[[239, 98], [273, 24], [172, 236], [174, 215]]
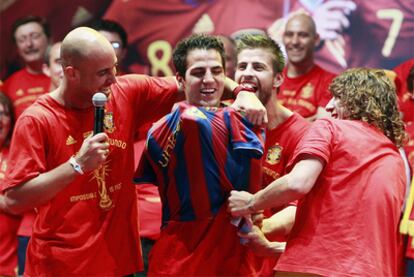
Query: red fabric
[[8, 229], [208, 247], [79, 232], [380, 35], [280, 145], [347, 225], [279, 148], [304, 94], [26, 224], [405, 98], [155, 38], [23, 88]]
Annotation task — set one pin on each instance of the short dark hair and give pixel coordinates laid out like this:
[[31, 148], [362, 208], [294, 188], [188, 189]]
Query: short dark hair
[[196, 41], [252, 41], [28, 19], [410, 80], [113, 27]]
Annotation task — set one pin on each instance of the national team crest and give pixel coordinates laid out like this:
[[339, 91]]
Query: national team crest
[[307, 91], [109, 122], [274, 154]]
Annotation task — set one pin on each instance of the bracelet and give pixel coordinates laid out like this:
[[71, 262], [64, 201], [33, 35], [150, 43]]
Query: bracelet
[[76, 166], [242, 87]]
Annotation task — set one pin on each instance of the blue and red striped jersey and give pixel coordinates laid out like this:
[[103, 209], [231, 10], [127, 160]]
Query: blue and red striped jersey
[[197, 155]]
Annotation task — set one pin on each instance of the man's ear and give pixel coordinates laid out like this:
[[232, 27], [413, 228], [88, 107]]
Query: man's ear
[[180, 79], [70, 72], [277, 80], [46, 69]]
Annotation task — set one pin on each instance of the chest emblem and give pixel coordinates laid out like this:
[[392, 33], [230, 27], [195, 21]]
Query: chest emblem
[[274, 154]]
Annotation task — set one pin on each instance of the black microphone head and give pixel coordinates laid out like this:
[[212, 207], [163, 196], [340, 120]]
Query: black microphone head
[[99, 99]]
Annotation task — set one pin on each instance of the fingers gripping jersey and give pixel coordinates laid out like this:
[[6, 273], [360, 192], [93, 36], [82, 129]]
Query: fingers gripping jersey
[[196, 152]]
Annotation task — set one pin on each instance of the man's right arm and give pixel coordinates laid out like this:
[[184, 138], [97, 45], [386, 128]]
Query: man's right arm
[[44, 187]]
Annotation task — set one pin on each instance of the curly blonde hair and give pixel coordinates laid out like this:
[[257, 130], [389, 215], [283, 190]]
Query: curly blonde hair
[[369, 95]]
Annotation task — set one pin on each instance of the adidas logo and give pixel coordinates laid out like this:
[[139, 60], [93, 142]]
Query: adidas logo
[[70, 140]]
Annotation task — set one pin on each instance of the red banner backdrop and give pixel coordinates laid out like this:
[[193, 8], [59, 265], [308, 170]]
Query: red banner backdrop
[[373, 33]]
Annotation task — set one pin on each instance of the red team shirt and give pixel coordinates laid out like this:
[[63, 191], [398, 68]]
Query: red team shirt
[[338, 230], [23, 88], [279, 148], [9, 225], [304, 94], [90, 228]]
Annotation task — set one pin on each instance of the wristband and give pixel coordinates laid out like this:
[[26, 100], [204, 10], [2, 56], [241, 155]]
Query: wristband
[[75, 165], [242, 87]]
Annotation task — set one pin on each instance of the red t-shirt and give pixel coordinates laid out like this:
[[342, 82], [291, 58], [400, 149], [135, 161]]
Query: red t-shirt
[[405, 98], [9, 225], [280, 145], [347, 224], [23, 88], [279, 148], [305, 93], [90, 227]]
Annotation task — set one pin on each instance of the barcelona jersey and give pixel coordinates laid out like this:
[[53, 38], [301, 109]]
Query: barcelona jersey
[[197, 155]]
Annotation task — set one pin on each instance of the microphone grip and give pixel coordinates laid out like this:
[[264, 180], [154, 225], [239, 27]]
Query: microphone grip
[[98, 126]]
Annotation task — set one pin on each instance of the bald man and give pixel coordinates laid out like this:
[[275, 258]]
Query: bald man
[[305, 86], [79, 182]]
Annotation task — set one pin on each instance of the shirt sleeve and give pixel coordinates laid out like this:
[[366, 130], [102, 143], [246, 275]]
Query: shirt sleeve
[[27, 157], [245, 137], [151, 97], [318, 141]]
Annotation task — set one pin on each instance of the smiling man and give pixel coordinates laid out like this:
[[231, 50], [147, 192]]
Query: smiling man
[[81, 184], [350, 178], [31, 36], [197, 154], [305, 86]]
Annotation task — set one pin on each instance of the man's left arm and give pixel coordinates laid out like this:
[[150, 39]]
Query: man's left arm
[[247, 103]]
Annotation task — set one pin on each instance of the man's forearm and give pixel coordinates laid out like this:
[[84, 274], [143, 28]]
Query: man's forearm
[[39, 190]]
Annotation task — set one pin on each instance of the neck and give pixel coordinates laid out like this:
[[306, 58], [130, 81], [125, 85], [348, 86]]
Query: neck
[[295, 70], [65, 96], [35, 67], [276, 113]]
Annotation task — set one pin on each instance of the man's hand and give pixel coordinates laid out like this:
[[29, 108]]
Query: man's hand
[[248, 104], [260, 245], [239, 203], [93, 152]]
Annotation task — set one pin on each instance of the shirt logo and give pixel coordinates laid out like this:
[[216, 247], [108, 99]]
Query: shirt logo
[[307, 91], [70, 140], [194, 112], [109, 122], [274, 154]]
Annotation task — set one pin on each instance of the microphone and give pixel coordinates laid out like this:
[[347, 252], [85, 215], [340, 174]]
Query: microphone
[[99, 100]]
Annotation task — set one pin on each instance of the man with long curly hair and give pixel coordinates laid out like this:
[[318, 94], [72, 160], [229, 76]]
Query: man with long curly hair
[[349, 177]]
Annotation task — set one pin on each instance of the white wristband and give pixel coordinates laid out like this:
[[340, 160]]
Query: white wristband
[[75, 165]]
